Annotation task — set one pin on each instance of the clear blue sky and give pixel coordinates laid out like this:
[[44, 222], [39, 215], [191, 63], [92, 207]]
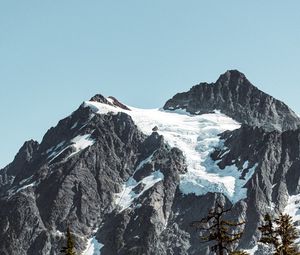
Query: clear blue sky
[[56, 54]]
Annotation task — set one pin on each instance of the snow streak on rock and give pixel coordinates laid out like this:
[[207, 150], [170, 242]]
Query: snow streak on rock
[[79, 143], [252, 251], [125, 198]]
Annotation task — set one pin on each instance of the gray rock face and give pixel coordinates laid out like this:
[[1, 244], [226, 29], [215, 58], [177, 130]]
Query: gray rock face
[[78, 175], [137, 230], [236, 97], [20, 164], [276, 177], [48, 187]]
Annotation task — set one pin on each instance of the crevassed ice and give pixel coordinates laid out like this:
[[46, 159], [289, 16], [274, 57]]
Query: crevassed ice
[[197, 136]]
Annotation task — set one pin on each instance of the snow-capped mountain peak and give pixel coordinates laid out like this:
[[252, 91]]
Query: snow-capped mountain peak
[[130, 181]]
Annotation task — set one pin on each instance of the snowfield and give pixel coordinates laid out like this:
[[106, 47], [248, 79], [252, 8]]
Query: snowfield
[[197, 136]]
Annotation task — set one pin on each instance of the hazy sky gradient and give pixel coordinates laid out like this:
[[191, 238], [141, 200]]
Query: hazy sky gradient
[[55, 54]]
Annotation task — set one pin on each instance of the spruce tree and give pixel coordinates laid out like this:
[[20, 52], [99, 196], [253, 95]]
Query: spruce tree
[[219, 230], [288, 235], [268, 232], [69, 249], [281, 234]]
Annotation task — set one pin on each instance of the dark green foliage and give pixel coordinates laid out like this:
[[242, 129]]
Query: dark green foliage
[[219, 230], [69, 249], [281, 235], [288, 234], [269, 235]]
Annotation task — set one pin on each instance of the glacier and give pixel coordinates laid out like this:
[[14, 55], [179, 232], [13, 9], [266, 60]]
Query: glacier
[[197, 136]]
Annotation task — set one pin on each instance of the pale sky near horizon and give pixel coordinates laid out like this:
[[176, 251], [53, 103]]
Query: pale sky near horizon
[[56, 54]]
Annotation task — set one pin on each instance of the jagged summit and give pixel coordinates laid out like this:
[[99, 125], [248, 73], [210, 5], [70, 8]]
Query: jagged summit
[[234, 78], [112, 101], [234, 95], [100, 99]]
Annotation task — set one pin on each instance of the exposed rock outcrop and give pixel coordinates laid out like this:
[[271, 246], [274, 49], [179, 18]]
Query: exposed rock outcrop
[[235, 96]]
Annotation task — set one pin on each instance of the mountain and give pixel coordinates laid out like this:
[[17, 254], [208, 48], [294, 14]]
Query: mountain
[[236, 97], [130, 181]]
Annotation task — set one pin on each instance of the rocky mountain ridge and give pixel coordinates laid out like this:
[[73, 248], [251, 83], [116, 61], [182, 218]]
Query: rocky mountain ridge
[[236, 97], [125, 189]]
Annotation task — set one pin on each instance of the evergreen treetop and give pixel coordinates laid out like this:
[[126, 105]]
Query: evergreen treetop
[[69, 249], [280, 233]]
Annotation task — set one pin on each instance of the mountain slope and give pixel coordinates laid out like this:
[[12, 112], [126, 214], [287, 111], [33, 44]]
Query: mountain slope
[[71, 179], [130, 181], [236, 97]]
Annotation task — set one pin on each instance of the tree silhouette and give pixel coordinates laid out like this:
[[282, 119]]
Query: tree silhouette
[[281, 234], [219, 230], [69, 249], [269, 235]]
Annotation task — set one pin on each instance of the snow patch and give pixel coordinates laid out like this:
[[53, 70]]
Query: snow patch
[[93, 247], [81, 142], [253, 250], [125, 198], [26, 180], [293, 209], [143, 162], [101, 108], [26, 186], [55, 149], [109, 99], [58, 153], [59, 233], [74, 125]]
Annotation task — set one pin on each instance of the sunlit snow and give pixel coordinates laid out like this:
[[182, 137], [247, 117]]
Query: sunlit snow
[[293, 209], [93, 247], [252, 251], [24, 184], [75, 125], [54, 150], [125, 198], [81, 142], [197, 136]]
